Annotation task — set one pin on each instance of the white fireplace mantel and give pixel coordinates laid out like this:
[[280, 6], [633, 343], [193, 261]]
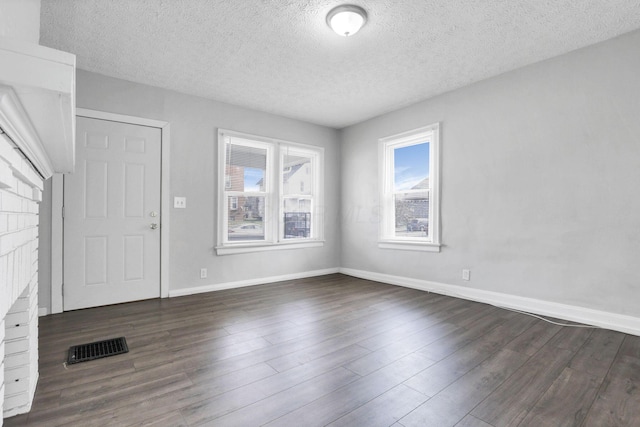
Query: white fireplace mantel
[[37, 103]]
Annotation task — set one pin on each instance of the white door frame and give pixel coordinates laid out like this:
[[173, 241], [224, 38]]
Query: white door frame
[[57, 237]]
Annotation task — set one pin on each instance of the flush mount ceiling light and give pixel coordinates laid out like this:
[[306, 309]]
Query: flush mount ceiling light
[[347, 19]]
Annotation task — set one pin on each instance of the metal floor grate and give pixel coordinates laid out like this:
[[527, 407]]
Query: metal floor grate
[[97, 350]]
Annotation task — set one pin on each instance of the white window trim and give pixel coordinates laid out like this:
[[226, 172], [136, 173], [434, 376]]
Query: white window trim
[[386, 241], [242, 248], [273, 224]]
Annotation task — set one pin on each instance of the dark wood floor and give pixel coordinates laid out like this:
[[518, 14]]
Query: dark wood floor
[[332, 350]]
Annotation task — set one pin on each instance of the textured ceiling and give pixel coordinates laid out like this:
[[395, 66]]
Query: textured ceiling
[[279, 56]]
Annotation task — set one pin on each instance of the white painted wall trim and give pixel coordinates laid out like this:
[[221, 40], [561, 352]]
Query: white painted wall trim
[[57, 201], [95, 114], [608, 320], [251, 282], [42, 311]]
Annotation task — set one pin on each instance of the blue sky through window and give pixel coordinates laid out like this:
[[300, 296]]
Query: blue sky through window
[[410, 166], [251, 178]]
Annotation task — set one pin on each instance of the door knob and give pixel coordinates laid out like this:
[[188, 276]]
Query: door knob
[[154, 225]]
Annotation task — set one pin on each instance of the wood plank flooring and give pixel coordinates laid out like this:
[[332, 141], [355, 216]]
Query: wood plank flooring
[[332, 350]]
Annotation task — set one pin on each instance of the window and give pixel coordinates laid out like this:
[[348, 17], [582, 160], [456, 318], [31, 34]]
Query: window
[[270, 194], [410, 190]]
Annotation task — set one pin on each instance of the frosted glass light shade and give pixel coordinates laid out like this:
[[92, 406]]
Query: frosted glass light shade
[[346, 20]]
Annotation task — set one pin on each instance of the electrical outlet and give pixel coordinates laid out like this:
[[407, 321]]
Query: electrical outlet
[[466, 274], [180, 202], [203, 273]]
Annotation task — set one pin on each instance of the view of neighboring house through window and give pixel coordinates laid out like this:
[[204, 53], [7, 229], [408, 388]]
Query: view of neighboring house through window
[[245, 188], [409, 181], [270, 191], [297, 191]]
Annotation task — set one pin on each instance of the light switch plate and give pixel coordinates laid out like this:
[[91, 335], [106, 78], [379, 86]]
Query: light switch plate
[[180, 202]]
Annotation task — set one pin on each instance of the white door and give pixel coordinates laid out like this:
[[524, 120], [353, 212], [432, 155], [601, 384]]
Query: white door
[[112, 215]]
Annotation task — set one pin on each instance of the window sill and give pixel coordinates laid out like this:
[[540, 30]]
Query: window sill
[[264, 247], [409, 246]]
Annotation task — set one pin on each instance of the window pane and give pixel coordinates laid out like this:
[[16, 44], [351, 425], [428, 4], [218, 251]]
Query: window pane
[[245, 167], [297, 175], [411, 167], [297, 204], [412, 214], [246, 222], [297, 218]]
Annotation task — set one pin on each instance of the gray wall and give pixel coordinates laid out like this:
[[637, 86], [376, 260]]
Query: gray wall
[[20, 19], [540, 182], [194, 123]]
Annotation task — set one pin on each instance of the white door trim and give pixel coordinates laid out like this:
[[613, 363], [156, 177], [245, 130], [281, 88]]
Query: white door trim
[[57, 200]]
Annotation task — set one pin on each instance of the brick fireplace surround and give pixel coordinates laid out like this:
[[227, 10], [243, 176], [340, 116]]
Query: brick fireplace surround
[[37, 139], [20, 193]]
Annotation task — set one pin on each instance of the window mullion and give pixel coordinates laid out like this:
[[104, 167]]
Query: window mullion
[[272, 189], [281, 198]]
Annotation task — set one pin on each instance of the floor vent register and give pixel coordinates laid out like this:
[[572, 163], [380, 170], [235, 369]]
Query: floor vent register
[[97, 350]]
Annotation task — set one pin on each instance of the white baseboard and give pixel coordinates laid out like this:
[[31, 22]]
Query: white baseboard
[[42, 311], [250, 282], [603, 319]]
